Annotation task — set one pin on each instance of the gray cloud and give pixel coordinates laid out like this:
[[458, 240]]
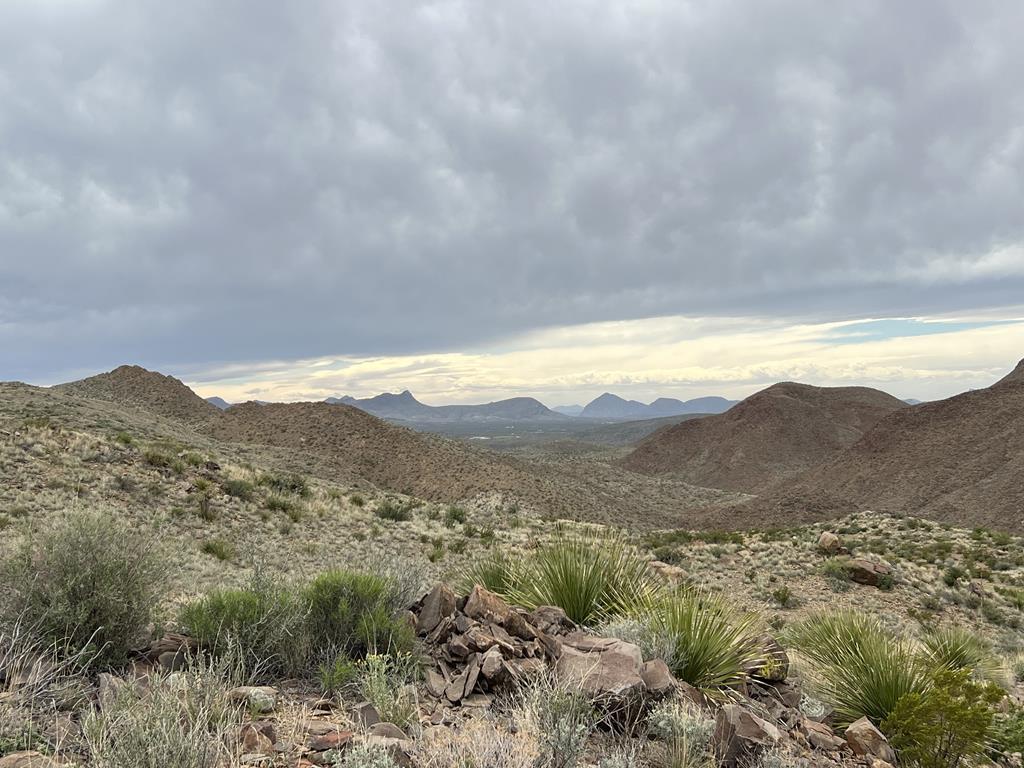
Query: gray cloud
[[182, 186]]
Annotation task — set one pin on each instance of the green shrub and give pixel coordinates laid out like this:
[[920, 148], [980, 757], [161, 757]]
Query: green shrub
[[293, 484], [389, 509], [338, 674], [591, 578], [784, 597], [239, 489], [946, 726], [1008, 731], [952, 575], [858, 667], [357, 500], [354, 613], [453, 515], [263, 625], [562, 718], [86, 582], [162, 460], [684, 733], [957, 648], [218, 548], [276, 503], [366, 756], [836, 571], [709, 644]]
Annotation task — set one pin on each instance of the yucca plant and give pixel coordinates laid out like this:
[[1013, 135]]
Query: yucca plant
[[591, 578], [957, 648], [710, 644], [859, 667], [497, 572]]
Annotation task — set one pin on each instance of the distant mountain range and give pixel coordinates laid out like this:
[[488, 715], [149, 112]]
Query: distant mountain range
[[220, 402], [609, 406], [405, 407]]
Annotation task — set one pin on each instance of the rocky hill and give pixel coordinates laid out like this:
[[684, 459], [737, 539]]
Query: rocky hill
[[131, 385], [771, 435], [957, 460]]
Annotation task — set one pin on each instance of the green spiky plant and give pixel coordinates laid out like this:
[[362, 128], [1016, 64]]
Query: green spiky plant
[[957, 648], [710, 645], [590, 577], [858, 666]]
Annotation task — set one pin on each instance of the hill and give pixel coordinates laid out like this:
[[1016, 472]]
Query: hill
[[609, 406], [958, 460], [219, 402], [134, 386], [405, 407], [773, 434]]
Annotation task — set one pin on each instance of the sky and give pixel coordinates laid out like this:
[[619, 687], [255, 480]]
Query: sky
[[480, 200]]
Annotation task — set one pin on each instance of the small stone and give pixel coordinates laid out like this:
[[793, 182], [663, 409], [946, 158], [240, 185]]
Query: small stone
[[387, 731], [335, 739], [28, 760], [364, 714], [260, 699], [740, 736], [435, 684], [174, 661]]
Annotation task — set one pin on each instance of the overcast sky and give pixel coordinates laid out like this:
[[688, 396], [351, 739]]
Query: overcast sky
[[478, 199]]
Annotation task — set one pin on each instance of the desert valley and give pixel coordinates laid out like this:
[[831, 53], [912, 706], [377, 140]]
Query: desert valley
[[796, 504]]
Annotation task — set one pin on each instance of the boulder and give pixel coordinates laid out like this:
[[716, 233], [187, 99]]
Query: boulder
[[868, 572], [437, 605], [829, 543], [606, 670], [867, 741], [551, 620], [740, 736], [486, 606]]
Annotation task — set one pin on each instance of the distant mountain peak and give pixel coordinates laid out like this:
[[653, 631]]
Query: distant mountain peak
[[1016, 376]]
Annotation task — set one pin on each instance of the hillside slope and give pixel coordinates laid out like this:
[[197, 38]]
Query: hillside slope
[[959, 460], [154, 392], [773, 434]]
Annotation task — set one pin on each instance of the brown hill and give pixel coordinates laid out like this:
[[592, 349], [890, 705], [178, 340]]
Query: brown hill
[[340, 442], [959, 460], [153, 392], [773, 434]]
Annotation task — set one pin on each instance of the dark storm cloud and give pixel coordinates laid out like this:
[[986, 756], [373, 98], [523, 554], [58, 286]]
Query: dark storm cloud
[[186, 183]]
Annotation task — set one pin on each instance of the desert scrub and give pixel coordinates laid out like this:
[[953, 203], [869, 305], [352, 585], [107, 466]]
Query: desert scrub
[[86, 583], [836, 571], [561, 717], [387, 682], [947, 726], [291, 484], [479, 742], [366, 756], [221, 549], [355, 613], [262, 626], [239, 489], [397, 512], [180, 721], [683, 734]]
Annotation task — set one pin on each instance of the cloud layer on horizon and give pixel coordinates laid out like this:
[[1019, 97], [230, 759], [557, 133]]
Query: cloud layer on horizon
[[191, 186], [668, 356]]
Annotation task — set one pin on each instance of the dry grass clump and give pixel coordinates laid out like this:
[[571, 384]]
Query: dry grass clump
[[479, 743], [179, 720]]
